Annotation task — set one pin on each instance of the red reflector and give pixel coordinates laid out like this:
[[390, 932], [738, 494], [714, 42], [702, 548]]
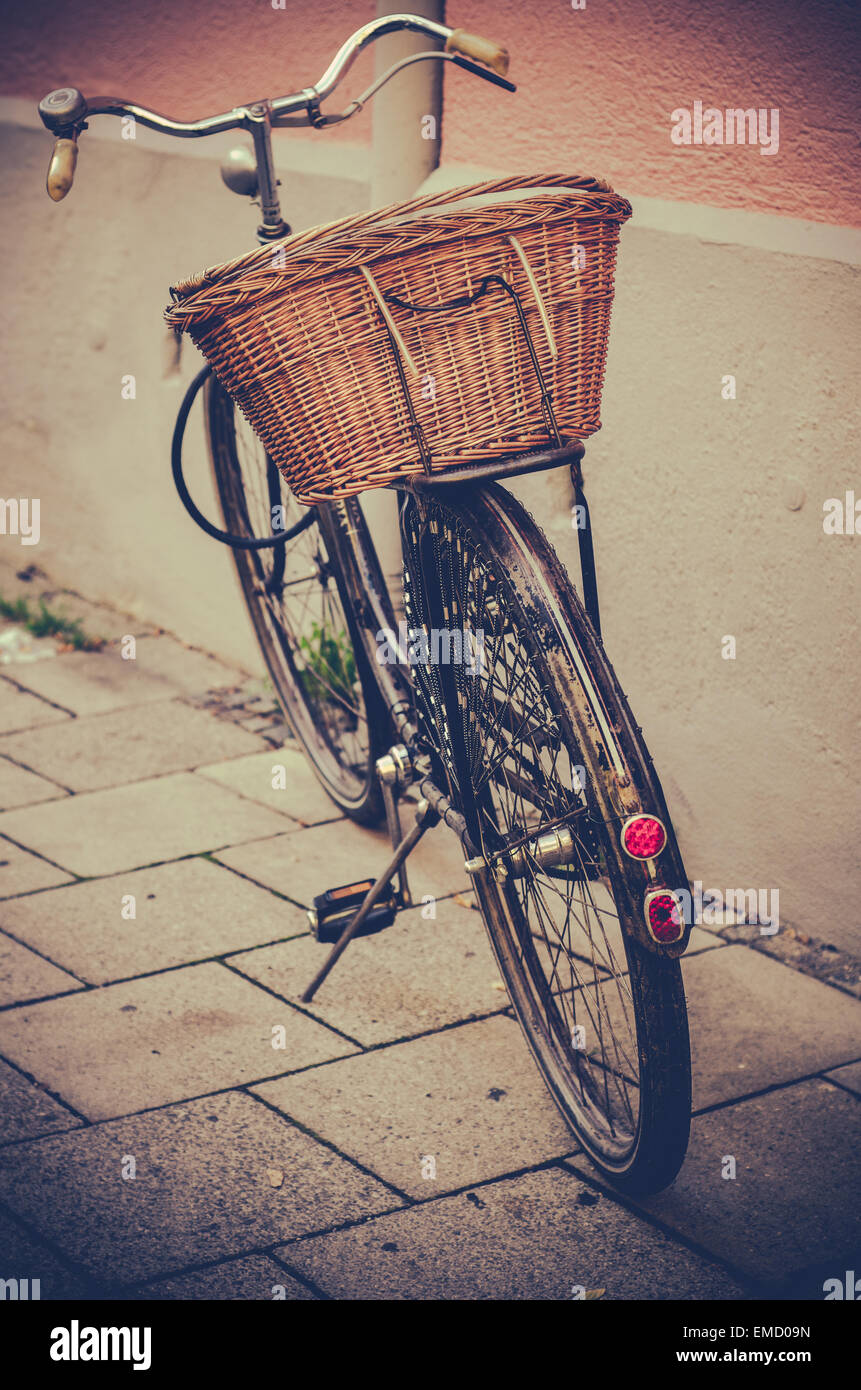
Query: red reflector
[[643, 837], [664, 917]]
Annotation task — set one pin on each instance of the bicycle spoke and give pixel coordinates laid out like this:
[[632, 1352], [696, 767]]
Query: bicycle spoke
[[302, 610]]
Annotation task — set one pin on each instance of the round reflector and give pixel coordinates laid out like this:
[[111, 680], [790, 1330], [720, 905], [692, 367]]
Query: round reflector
[[643, 837], [664, 916]]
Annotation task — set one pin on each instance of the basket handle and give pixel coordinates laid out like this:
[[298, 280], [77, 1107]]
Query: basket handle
[[383, 301]]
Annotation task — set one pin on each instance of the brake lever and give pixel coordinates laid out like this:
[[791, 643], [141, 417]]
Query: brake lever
[[484, 72]]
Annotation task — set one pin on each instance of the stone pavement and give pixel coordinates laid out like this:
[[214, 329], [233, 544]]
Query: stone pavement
[[176, 1125]]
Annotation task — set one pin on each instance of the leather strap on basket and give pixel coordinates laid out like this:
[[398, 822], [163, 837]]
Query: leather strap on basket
[[409, 360], [536, 293]]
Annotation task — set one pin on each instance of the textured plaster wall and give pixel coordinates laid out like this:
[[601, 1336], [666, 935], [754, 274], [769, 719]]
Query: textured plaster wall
[[696, 540], [597, 85], [85, 284], [187, 59]]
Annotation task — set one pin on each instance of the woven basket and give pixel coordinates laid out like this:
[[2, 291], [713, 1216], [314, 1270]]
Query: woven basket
[[349, 388]]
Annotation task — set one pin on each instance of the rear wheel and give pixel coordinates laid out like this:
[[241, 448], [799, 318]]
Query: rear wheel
[[536, 736], [302, 615]]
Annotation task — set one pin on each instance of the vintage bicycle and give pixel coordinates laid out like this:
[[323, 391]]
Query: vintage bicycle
[[438, 348]]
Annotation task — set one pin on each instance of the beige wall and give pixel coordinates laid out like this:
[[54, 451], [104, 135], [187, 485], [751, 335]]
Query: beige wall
[[693, 496], [84, 286], [692, 499]]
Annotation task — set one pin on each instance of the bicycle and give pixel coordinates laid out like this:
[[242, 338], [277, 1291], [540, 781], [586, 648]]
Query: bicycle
[[526, 748]]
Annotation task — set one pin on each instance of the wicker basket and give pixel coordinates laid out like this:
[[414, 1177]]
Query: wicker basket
[[428, 335]]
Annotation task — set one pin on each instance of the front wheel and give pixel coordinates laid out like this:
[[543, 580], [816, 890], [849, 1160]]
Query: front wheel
[[531, 735], [302, 615]]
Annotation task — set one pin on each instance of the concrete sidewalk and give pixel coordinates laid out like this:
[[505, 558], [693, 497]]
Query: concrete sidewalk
[[176, 1125]]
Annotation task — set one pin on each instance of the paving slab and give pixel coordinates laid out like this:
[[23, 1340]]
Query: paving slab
[[326, 856], [296, 792], [23, 1258], [850, 1077], [18, 787], [27, 1111], [756, 1023], [202, 1189], [25, 975], [184, 668], [418, 975], [148, 1042], [107, 832], [543, 1235], [256, 1277], [92, 682], [108, 750], [469, 1098], [18, 710], [184, 911], [95, 682], [22, 872], [793, 1201]]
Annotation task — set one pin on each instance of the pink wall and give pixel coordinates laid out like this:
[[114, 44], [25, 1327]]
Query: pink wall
[[597, 85], [185, 58]]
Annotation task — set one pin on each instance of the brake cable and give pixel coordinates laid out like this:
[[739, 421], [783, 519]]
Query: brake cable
[[226, 537]]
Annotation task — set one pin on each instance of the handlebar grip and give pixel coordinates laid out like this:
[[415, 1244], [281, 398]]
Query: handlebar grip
[[485, 51], [61, 170]]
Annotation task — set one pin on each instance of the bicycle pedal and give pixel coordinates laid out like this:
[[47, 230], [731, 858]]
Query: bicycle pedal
[[333, 910]]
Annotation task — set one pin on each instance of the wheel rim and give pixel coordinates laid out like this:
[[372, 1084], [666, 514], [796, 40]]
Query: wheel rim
[[293, 595], [510, 761]]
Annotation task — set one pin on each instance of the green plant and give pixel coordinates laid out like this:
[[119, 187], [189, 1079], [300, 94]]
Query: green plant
[[330, 666], [44, 623]]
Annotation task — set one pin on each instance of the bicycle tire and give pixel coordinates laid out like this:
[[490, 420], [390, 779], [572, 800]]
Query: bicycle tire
[[331, 702], [480, 557]]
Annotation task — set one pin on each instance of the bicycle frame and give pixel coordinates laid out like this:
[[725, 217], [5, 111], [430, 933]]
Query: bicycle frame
[[520, 600]]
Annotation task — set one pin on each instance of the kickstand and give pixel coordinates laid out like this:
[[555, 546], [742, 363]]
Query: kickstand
[[426, 817], [396, 835]]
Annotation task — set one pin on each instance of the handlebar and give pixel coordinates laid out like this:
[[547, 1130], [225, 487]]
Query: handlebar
[[65, 112]]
